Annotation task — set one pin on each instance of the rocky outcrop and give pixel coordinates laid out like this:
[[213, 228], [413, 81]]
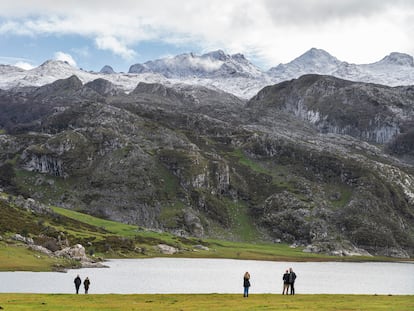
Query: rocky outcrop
[[107, 70], [369, 112], [166, 249], [28, 204], [103, 87], [77, 252], [44, 164], [20, 238], [303, 162]]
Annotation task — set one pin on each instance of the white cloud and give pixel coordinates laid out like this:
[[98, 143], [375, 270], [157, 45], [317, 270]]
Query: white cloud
[[114, 45], [24, 65], [64, 57], [273, 31]]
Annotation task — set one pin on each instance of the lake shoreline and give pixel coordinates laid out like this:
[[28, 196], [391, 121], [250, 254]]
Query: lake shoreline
[[200, 276]]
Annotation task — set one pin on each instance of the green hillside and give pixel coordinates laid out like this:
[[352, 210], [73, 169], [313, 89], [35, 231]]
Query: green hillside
[[109, 239]]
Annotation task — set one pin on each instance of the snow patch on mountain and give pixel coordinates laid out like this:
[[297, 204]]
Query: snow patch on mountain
[[397, 59], [315, 61], [53, 70], [220, 71], [393, 70], [210, 65]]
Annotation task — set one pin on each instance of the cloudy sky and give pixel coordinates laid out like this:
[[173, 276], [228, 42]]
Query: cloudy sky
[[92, 33]]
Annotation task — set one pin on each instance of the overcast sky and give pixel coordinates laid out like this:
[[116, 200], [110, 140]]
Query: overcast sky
[[92, 33]]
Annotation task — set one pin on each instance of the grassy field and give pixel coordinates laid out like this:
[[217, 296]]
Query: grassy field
[[199, 302], [82, 228], [218, 248], [19, 258]]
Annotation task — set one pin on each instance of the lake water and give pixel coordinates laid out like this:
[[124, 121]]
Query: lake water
[[178, 275]]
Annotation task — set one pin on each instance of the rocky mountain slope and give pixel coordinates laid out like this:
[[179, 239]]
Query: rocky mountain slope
[[219, 71], [316, 161]]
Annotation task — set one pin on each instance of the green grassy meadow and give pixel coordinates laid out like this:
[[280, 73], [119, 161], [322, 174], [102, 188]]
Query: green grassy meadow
[[19, 258], [110, 239], [83, 228], [199, 302]]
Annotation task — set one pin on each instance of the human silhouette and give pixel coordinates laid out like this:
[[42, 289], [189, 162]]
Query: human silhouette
[[86, 284], [246, 284], [78, 283], [292, 278]]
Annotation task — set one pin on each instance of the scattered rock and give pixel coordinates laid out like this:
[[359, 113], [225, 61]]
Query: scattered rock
[[336, 249], [201, 247], [41, 249], [166, 249], [92, 264], [20, 238], [78, 253]]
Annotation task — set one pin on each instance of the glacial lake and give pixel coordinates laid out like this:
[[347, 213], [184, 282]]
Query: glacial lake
[[181, 275]]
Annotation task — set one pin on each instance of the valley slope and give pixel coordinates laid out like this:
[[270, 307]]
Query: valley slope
[[316, 161]]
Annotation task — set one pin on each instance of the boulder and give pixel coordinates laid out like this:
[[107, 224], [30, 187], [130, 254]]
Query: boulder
[[76, 252], [166, 249], [201, 247], [20, 238], [41, 249]]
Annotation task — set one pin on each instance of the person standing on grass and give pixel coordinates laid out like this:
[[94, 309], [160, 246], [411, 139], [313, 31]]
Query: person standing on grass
[[292, 278], [78, 283], [285, 282], [86, 284], [246, 284]]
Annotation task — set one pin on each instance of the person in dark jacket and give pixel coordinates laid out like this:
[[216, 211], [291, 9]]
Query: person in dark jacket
[[292, 278], [285, 282], [86, 284], [246, 284], [78, 283]]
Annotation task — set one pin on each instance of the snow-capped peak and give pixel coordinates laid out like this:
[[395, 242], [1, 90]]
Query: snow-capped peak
[[399, 59], [4, 69], [230, 73], [316, 57], [210, 65], [313, 61], [53, 63], [217, 55]]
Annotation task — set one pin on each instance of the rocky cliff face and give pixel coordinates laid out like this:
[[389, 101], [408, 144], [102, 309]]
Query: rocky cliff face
[[369, 112], [315, 161]]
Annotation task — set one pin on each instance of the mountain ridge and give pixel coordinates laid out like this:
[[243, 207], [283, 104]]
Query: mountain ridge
[[217, 70]]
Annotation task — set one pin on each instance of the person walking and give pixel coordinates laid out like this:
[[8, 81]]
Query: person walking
[[246, 284], [86, 284], [292, 278], [285, 282], [78, 283]]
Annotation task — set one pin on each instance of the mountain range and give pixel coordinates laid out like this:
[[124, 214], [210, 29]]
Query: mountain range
[[317, 161], [220, 71]]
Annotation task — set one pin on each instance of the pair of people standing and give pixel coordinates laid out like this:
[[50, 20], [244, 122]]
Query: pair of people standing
[[78, 283], [289, 282]]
